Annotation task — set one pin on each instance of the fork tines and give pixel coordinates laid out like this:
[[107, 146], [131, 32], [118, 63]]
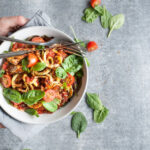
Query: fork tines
[[72, 50]]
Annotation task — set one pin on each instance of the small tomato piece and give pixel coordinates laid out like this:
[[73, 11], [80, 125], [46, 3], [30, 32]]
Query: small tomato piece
[[62, 53], [91, 46], [95, 3], [50, 95], [6, 81], [18, 45], [38, 39], [70, 79], [5, 65], [33, 59]]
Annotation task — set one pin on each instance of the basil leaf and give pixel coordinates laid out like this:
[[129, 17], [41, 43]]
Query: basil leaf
[[90, 15], [24, 65], [64, 86], [72, 64], [12, 95], [40, 47], [39, 66], [32, 112], [93, 101], [99, 9], [78, 123], [60, 72], [32, 96], [5, 52], [116, 22], [2, 73], [105, 18], [87, 61], [81, 44], [51, 106], [79, 73], [100, 115], [73, 112], [76, 39]]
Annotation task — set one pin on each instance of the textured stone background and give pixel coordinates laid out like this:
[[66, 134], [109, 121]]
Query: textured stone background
[[119, 72]]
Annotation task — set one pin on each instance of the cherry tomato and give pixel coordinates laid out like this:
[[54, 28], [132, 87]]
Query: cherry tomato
[[50, 95], [33, 59], [6, 81], [51, 53], [91, 46], [5, 65], [95, 3], [70, 79], [18, 45], [38, 39]]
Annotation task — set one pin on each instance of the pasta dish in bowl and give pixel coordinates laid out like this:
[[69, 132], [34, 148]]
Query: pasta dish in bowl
[[41, 82]]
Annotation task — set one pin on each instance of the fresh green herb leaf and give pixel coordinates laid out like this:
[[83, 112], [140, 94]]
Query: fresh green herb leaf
[[51, 106], [76, 39], [81, 44], [12, 95], [100, 115], [5, 52], [90, 15], [87, 61], [116, 22], [61, 73], [73, 112], [32, 96], [72, 64], [78, 123], [2, 73], [32, 112], [11, 45], [105, 18], [99, 9], [39, 66], [64, 85], [93, 101], [40, 47], [79, 73], [24, 65]]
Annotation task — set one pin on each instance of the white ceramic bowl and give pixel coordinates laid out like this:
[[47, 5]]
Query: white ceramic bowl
[[62, 112]]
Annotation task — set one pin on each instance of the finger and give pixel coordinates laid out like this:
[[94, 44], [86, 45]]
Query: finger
[[7, 23], [1, 126], [15, 21]]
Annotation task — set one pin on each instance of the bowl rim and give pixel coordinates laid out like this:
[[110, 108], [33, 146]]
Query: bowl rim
[[82, 95]]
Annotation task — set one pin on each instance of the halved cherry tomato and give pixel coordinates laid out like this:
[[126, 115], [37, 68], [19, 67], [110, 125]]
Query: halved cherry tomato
[[5, 65], [51, 53], [38, 39], [50, 95], [18, 45], [6, 81], [95, 3], [33, 59], [91, 46], [70, 79]]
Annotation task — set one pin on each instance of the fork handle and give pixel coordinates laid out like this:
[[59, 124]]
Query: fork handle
[[4, 38]]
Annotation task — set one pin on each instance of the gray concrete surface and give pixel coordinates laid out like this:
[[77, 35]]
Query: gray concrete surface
[[119, 72]]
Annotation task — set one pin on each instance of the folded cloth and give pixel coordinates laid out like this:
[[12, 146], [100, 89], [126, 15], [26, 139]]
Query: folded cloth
[[23, 130]]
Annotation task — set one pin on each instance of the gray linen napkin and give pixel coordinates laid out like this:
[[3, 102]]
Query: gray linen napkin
[[22, 130]]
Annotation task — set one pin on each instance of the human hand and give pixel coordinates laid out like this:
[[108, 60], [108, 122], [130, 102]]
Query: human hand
[[9, 24]]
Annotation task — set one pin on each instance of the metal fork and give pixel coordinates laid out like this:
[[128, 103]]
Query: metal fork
[[74, 47]]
